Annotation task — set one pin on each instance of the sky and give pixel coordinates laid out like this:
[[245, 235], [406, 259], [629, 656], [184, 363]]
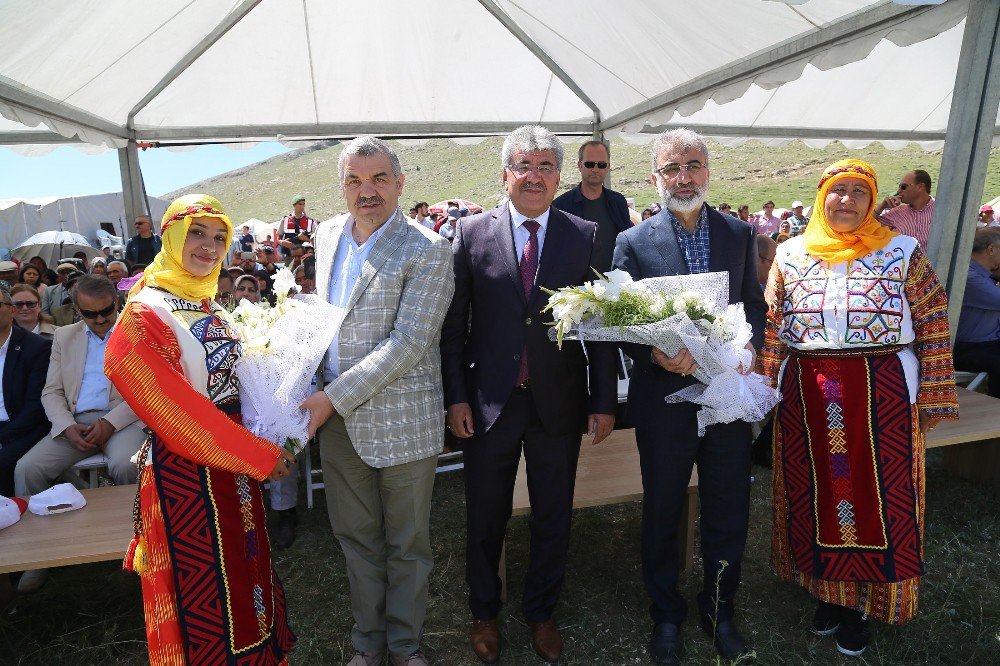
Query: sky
[[68, 172]]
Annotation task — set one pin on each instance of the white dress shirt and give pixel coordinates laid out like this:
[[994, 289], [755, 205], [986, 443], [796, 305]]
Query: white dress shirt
[[521, 235], [3, 360]]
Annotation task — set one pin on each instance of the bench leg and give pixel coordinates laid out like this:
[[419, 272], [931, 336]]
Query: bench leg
[[975, 461], [685, 530]]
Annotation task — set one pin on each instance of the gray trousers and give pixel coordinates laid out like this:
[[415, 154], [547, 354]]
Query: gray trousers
[[381, 517], [285, 492], [47, 460]]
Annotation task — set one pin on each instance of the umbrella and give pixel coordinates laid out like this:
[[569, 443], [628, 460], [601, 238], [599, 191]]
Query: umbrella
[[52, 246], [441, 207]]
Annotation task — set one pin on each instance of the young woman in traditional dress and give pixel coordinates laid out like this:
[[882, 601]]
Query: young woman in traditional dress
[[857, 338], [210, 593]]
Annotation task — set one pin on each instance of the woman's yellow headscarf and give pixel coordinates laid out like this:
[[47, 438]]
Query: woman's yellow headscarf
[[822, 242], [167, 270]]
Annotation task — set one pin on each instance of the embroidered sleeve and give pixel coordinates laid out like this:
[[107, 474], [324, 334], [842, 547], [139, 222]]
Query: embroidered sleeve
[[142, 359], [932, 343], [775, 350]]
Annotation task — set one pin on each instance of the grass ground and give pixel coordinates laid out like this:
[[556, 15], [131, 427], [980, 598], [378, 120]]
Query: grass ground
[[92, 614], [440, 169]]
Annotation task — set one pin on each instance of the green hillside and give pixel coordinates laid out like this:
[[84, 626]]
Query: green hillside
[[440, 169]]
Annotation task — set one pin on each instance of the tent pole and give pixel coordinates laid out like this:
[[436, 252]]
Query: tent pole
[[128, 162], [974, 105]]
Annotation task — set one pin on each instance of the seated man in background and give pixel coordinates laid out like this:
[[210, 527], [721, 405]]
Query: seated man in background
[[977, 341], [56, 295], [24, 359], [88, 414]]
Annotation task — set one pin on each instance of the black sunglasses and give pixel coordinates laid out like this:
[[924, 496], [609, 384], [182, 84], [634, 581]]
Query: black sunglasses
[[94, 314], [903, 186], [24, 304], [599, 165]]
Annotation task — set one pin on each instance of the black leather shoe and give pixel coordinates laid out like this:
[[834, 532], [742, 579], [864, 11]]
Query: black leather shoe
[[665, 644], [283, 534], [728, 642]]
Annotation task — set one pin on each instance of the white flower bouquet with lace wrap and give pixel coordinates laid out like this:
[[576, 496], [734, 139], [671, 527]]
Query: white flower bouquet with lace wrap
[[282, 348], [672, 313]]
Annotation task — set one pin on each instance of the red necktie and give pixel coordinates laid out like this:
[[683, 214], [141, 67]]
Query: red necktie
[[529, 266]]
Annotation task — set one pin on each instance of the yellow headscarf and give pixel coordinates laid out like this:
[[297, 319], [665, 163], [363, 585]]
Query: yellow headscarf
[[167, 270], [822, 242]]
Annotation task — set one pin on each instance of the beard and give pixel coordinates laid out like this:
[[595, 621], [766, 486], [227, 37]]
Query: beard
[[683, 204]]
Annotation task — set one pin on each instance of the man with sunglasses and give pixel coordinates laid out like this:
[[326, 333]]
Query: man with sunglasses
[[87, 412], [911, 209], [592, 201], [145, 245]]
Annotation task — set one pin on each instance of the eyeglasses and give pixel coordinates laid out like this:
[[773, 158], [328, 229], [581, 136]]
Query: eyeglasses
[[600, 165], [544, 169], [24, 305], [94, 314], [672, 170]]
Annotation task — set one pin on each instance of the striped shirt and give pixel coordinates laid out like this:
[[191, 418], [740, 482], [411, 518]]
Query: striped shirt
[[906, 220], [694, 246]]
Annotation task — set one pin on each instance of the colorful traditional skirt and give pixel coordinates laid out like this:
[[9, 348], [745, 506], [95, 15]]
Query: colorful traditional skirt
[[210, 594], [848, 484]]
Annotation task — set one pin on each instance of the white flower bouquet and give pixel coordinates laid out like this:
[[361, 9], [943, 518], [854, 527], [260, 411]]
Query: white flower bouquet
[[672, 313], [283, 346]]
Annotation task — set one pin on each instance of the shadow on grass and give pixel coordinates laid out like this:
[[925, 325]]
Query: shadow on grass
[[92, 614]]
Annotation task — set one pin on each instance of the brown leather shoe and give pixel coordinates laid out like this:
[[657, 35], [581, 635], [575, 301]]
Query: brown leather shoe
[[546, 640], [485, 639]]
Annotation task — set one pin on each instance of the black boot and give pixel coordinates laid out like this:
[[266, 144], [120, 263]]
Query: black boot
[[283, 534]]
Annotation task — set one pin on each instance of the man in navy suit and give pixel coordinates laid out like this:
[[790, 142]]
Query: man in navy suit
[[507, 386], [688, 237], [24, 362]]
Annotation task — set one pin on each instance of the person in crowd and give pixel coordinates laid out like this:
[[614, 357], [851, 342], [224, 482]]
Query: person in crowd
[[911, 209], [25, 360], [780, 238], [9, 272], [27, 306], [646, 214], [766, 247], [743, 213], [246, 286], [32, 275], [295, 254], [448, 228], [798, 218], [977, 341], [246, 239], [88, 415], [98, 266], [986, 216], [687, 237], [137, 269], [57, 294], [784, 229], [171, 356], [594, 202], [765, 221], [224, 296], [859, 392], [145, 245], [510, 388], [39, 263], [725, 209], [760, 453], [117, 271], [66, 314], [421, 210], [296, 228], [383, 370], [305, 276], [49, 278]]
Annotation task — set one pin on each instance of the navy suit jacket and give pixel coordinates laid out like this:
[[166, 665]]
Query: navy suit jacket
[[571, 202], [652, 250], [24, 372], [490, 322]]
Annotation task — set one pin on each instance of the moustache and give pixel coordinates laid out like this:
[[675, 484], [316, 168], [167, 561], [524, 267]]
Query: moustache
[[368, 201], [529, 187]]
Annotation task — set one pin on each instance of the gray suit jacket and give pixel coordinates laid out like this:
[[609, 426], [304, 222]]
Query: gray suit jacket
[[389, 389]]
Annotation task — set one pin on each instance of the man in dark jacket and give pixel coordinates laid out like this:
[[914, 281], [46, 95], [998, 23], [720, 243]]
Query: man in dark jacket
[[145, 245], [592, 201]]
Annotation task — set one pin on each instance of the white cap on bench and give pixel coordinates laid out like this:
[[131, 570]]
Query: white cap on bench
[[57, 499], [11, 509]]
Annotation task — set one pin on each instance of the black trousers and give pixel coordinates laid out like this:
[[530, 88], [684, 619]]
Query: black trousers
[[666, 457], [491, 461], [980, 357], [12, 450]]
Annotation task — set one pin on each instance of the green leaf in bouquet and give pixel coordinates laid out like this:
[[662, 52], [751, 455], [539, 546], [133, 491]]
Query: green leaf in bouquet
[[628, 310]]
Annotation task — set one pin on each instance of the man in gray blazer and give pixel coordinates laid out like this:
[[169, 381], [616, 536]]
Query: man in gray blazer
[[380, 418]]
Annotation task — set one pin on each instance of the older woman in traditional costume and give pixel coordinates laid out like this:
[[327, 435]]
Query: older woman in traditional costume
[[857, 339], [210, 593]]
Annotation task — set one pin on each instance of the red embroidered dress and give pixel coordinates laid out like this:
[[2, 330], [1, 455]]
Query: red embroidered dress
[[858, 347], [210, 594]]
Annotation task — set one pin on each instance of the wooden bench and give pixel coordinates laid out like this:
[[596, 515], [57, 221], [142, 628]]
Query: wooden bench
[[978, 432], [609, 474]]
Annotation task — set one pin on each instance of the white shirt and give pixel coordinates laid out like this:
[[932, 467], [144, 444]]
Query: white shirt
[[521, 235], [3, 360], [347, 264]]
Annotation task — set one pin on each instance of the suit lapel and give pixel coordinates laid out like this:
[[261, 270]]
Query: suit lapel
[[664, 238], [556, 233], [73, 363], [503, 236], [326, 249], [721, 242], [384, 247], [9, 364]]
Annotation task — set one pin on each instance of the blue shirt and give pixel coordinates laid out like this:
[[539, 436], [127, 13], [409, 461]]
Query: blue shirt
[[348, 261], [694, 246], [980, 318], [94, 387]]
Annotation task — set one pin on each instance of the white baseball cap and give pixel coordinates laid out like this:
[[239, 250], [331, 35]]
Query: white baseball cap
[[57, 499], [11, 509], [796, 203]]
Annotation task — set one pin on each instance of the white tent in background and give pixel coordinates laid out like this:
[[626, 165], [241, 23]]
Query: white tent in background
[[261, 229]]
